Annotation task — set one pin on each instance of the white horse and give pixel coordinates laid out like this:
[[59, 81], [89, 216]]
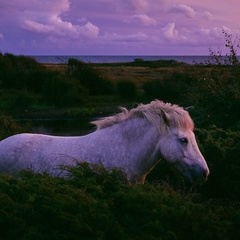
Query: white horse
[[134, 141]]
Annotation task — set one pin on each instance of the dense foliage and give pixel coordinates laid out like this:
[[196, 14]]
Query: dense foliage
[[20, 72], [127, 89], [30, 84], [95, 204], [89, 78]]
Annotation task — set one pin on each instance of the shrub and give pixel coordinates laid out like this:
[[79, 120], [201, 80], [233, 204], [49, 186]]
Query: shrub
[[14, 70], [23, 100], [89, 77], [36, 79], [126, 89], [221, 149], [218, 90], [63, 92], [96, 204], [170, 88], [9, 127]]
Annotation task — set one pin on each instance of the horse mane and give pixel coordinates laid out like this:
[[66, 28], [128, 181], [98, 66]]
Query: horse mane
[[155, 112]]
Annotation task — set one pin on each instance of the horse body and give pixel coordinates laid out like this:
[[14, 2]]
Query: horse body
[[133, 140], [109, 147]]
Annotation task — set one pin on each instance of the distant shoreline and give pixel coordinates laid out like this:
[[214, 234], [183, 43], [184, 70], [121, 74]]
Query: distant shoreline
[[57, 59]]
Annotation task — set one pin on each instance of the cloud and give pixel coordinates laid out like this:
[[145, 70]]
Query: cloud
[[171, 33], [207, 15], [67, 29], [144, 20], [99, 26], [183, 9], [140, 5], [138, 37], [35, 5], [190, 12], [37, 27], [209, 34], [88, 30], [46, 18], [49, 21]]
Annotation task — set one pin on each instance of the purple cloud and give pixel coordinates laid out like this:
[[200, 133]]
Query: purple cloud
[[114, 26], [184, 9], [143, 19], [171, 33]]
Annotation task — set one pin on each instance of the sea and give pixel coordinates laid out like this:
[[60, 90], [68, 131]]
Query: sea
[[57, 59]]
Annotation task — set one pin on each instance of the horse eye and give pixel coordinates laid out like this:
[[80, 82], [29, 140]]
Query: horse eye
[[184, 141]]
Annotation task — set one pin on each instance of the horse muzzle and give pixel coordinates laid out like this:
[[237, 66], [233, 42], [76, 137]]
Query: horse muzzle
[[199, 175]]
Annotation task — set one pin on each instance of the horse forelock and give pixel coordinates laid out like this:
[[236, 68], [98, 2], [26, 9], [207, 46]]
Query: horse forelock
[[152, 112]]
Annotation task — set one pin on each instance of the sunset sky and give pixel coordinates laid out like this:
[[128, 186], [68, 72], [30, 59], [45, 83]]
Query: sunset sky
[[116, 27]]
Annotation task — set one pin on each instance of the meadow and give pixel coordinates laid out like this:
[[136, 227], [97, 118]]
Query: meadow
[[102, 205]]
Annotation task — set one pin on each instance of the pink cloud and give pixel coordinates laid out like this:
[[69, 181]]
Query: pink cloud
[[144, 20], [138, 37], [184, 9], [37, 27], [88, 30], [171, 33], [207, 15], [58, 27], [50, 21], [106, 25], [140, 5]]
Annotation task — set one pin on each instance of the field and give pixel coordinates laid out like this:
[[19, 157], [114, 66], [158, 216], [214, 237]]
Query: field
[[101, 205]]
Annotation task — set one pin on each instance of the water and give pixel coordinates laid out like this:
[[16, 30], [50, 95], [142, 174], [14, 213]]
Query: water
[[115, 59], [60, 126]]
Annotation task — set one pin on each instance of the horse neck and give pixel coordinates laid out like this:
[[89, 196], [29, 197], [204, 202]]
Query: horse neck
[[133, 131], [138, 138]]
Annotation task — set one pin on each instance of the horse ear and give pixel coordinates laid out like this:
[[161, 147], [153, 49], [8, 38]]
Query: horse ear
[[165, 117]]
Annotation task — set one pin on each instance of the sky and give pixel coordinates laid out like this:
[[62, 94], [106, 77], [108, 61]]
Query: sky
[[116, 27]]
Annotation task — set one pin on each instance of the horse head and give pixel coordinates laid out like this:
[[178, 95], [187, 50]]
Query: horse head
[[178, 146]]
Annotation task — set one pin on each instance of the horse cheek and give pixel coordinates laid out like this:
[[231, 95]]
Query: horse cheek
[[168, 150]]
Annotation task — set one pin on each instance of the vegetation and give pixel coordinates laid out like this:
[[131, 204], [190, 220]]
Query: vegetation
[[29, 84], [89, 78], [126, 89], [95, 204], [100, 205]]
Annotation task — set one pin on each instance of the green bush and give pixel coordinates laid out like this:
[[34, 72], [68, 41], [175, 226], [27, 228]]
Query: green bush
[[217, 90], [127, 89], [64, 92], [221, 149], [170, 87], [36, 79], [95, 204], [89, 77], [23, 101], [164, 89], [15, 70], [9, 127]]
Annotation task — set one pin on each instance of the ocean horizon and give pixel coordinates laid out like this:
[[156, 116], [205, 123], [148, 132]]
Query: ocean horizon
[[57, 59]]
